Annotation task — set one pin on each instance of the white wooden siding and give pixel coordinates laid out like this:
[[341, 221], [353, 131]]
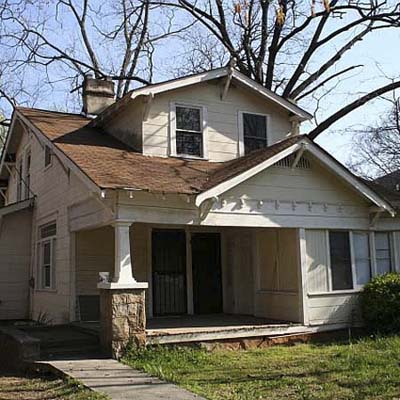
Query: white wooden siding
[[222, 119], [127, 124], [15, 259]]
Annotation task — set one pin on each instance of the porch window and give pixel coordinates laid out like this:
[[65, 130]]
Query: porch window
[[254, 131], [362, 257], [189, 132], [46, 255], [383, 252], [341, 270]]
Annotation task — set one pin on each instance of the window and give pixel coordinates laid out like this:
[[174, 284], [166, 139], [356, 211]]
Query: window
[[362, 258], [383, 252], [27, 174], [46, 255], [20, 169], [341, 270], [254, 132], [47, 156], [189, 131]]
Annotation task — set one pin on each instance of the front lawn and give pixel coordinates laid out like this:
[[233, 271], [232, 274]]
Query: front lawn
[[365, 369], [32, 386]]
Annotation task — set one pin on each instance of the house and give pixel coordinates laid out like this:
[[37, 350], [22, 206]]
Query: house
[[194, 196]]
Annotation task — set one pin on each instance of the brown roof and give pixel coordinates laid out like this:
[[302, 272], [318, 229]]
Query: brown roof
[[110, 163]]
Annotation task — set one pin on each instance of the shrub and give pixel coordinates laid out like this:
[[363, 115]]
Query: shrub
[[380, 303]]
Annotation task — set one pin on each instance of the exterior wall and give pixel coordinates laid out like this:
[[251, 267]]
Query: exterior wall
[[56, 190], [127, 125], [15, 260], [222, 119]]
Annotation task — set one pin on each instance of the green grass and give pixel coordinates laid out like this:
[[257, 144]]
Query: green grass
[[42, 387], [366, 369]]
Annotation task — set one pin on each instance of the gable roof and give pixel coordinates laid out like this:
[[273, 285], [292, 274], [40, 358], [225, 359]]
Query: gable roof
[[238, 77], [110, 164]]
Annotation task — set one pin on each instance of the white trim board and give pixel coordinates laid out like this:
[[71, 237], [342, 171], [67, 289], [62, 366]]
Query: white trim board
[[332, 165]]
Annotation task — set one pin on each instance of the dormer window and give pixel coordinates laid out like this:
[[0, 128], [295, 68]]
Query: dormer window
[[188, 131], [254, 131]]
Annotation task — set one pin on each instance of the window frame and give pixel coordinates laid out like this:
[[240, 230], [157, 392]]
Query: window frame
[[241, 129], [40, 244], [172, 134], [48, 149], [392, 250], [372, 259]]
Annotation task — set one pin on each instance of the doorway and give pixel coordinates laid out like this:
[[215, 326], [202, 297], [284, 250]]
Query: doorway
[[169, 272], [206, 272]]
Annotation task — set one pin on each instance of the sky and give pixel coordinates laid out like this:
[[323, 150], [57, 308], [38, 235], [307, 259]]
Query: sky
[[379, 52], [382, 46]]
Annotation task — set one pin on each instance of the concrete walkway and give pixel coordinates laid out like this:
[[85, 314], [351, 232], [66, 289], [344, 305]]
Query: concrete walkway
[[119, 381]]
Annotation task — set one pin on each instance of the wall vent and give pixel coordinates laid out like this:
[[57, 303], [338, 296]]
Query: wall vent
[[287, 162]]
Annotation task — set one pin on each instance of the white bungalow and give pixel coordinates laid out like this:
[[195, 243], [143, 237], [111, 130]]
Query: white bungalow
[[201, 193]]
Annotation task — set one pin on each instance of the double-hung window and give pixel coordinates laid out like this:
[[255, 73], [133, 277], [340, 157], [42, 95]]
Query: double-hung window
[[362, 258], [46, 255], [254, 128], [383, 252], [188, 131]]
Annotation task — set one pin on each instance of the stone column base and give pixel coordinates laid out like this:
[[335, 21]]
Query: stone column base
[[122, 320]]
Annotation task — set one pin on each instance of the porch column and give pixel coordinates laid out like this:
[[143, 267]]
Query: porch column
[[122, 300], [303, 291]]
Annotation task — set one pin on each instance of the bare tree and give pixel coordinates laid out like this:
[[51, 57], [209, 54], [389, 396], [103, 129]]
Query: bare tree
[[59, 41], [292, 48], [377, 148]]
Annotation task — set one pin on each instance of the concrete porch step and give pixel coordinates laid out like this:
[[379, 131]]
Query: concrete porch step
[[190, 335]]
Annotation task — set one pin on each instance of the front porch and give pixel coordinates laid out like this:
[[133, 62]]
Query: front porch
[[204, 283]]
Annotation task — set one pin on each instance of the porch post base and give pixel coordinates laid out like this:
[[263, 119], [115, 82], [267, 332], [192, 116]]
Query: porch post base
[[122, 319]]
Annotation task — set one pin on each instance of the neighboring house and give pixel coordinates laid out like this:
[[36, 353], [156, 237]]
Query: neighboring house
[[204, 185]]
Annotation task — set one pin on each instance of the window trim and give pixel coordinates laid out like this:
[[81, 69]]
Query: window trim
[[172, 133], [40, 242], [241, 149]]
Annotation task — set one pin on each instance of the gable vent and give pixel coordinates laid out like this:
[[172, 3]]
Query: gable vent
[[287, 162]]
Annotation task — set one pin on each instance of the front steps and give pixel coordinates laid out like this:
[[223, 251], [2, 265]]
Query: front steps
[[64, 342]]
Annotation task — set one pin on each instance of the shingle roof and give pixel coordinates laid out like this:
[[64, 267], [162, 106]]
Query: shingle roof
[[111, 164]]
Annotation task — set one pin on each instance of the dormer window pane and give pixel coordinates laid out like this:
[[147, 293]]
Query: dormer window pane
[[254, 132], [189, 132]]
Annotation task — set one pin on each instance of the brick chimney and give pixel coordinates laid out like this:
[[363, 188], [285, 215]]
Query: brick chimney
[[98, 94]]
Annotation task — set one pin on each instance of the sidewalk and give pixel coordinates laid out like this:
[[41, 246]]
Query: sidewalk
[[119, 381]]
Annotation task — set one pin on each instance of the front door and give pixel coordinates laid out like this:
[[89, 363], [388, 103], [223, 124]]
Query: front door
[[169, 271], [206, 267]]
